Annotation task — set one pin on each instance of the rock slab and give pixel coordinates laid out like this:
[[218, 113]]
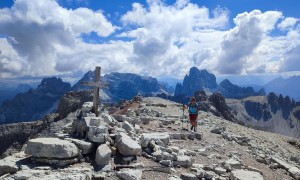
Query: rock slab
[[245, 175], [51, 148], [130, 174], [147, 137], [8, 165]]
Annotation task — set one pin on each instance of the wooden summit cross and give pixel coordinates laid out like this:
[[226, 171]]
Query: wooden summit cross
[[97, 85]]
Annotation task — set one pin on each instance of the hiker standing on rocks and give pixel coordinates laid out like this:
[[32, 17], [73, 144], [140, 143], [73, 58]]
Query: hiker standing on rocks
[[193, 112]]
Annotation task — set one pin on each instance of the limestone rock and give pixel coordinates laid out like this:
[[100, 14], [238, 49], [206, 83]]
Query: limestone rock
[[83, 145], [188, 176], [127, 126], [8, 165], [232, 164], [107, 118], [146, 120], [51, 148], [184, 161], [219, 170], [245, 175], [218, 130], [281, 163], [130, 174], [166, 162], [98, 134], [126, 145], [147, 137], [295, 172], [103, 154]]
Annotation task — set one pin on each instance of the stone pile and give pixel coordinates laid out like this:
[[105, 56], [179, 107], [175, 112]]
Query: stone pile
[[105, 138]]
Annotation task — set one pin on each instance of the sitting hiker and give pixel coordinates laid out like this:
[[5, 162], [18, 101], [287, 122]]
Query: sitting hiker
[[193, 113]]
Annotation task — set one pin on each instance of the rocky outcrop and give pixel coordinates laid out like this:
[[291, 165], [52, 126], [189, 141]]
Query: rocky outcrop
[[219, 103], [230, 90], [34, 104], [195, 81], [286, 105], [272, 113], [72, 101]]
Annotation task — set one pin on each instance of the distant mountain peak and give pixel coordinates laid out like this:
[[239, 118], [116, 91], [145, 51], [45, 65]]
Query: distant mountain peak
[[196, 80]]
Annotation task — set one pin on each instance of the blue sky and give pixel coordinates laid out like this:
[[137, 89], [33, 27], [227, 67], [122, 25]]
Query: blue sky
[[231, 38]]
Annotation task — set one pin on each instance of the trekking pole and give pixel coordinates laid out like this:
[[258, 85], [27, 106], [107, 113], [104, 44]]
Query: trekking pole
[[182, 116]]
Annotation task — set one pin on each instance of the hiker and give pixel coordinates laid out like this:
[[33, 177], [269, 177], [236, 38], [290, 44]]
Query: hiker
[[193, 112]]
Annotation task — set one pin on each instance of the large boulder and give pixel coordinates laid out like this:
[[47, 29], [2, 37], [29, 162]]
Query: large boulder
[[51, 148], [147, 137], [245, 175], [126, 145], [103, 154]]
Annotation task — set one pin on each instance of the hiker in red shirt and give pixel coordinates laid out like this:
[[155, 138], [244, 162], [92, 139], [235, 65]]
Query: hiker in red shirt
[[193, 112]]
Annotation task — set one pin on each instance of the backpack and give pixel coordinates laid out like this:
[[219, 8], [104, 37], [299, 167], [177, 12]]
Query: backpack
[[193, 109]]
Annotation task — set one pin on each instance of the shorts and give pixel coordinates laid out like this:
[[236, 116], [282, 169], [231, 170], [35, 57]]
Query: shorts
[[193, 119]]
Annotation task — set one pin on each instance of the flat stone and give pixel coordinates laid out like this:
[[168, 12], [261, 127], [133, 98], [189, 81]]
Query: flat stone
[[130, 174], [184, 161], [51, 148], [245, 175], [126, 145], [250, 168], [184, 135], [295, 173], [83, 145], [147, 137], [175, 136], [103, 154], [8, 165], [232, 164], [166, 163], [188, 176], [281, 163], [22, 175], [220, 170], [218, 130]]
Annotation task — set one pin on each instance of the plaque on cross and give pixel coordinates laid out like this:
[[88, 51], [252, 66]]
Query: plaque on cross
[[97, 85]]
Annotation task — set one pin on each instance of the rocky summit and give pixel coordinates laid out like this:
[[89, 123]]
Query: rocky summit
[[150, 138]]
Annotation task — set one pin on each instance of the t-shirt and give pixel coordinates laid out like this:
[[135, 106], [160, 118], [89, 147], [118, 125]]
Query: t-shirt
[[193, 109]]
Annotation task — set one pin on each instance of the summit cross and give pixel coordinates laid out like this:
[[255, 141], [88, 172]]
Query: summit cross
[[97, 85]]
